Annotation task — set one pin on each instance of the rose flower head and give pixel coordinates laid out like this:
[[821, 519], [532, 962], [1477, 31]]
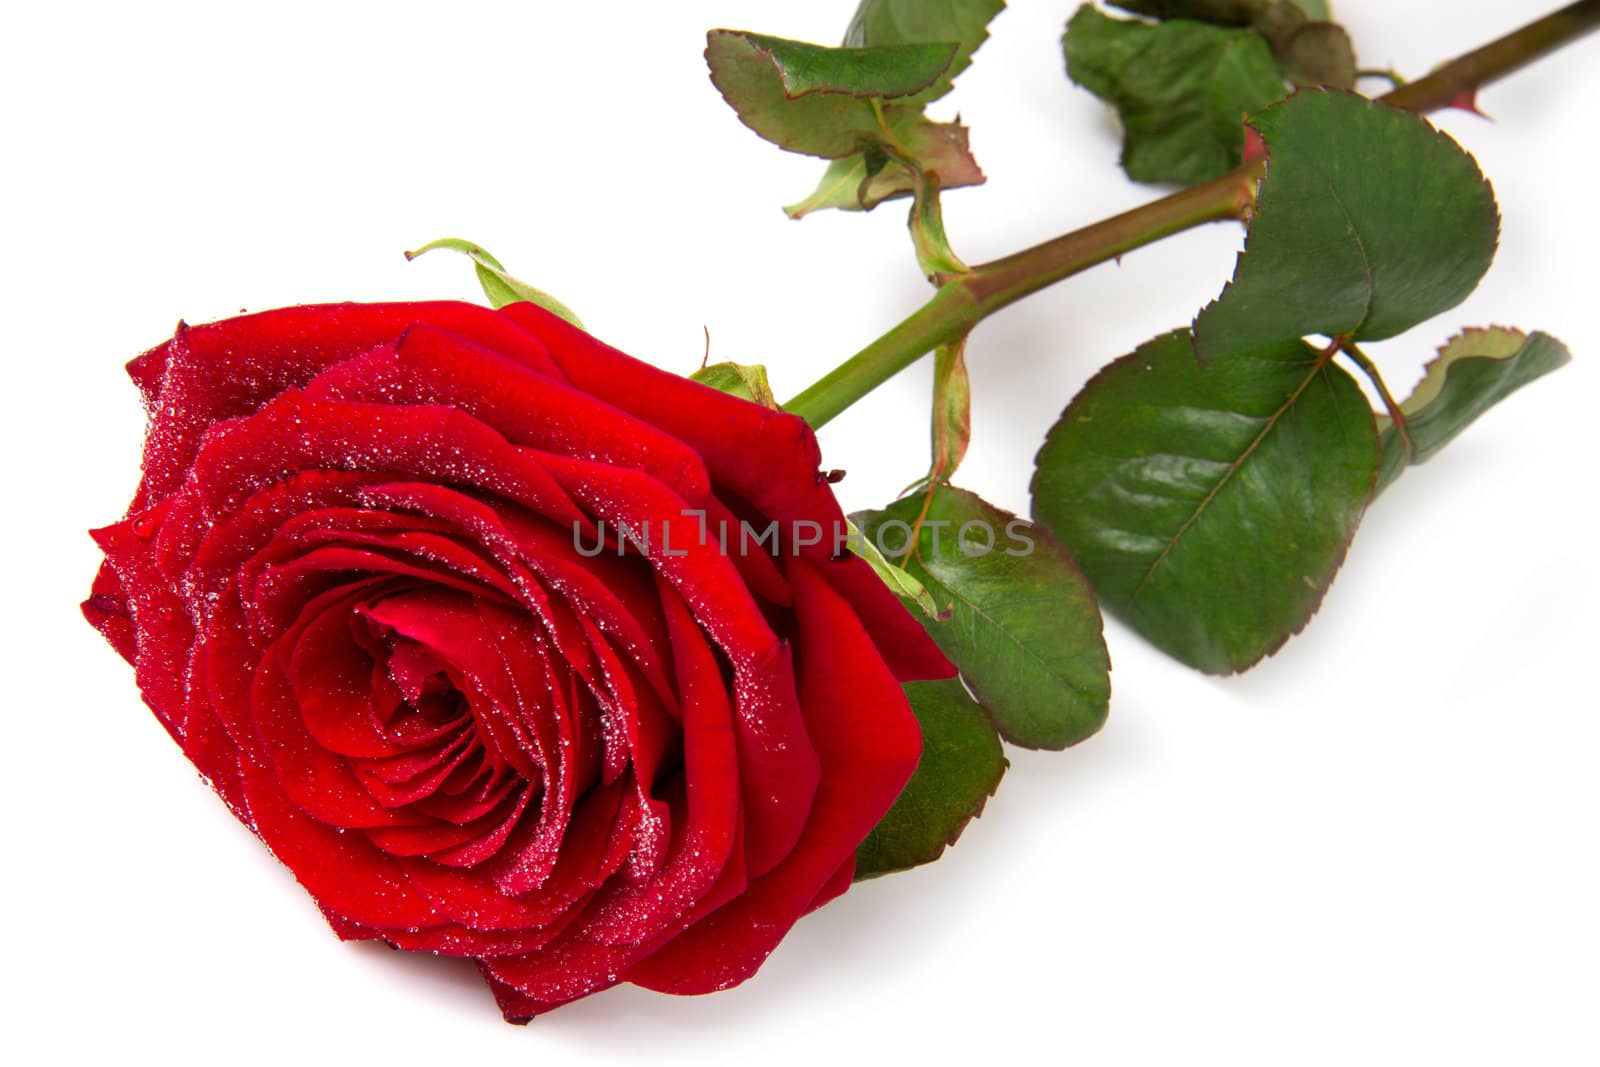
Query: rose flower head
[[508, 645]]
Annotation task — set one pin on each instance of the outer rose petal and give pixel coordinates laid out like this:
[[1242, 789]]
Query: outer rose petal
[[107, 611], [768, 458], [210, 373], [432, 366], [866, 762]]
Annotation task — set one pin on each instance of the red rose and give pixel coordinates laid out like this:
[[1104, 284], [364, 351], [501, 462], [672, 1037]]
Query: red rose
[[362, 585]]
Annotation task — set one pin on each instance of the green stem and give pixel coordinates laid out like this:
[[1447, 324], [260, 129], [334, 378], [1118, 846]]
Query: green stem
[[1005, 281], [1497, 59], [951, 313], [964, 300]]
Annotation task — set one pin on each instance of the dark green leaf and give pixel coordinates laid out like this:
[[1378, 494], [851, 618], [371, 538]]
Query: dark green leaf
[[1368, 222], [816, 100], [937, 147], [1181, 88], [1310, 49], [1226, 12], [1311, 52], [1221, 12], [863, 180], [1023, 625], [960, 769], [888, 22], [1471, 374], [1317, 53], [1211, 506], [499, 287], [886, 72]]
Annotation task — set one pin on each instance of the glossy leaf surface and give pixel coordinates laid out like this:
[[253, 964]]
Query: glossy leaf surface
[[1211, 506]]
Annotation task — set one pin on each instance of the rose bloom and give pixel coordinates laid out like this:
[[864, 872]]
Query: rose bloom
[[351, 587]]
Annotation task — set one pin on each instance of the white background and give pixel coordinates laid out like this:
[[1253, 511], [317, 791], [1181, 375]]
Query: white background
[[1379, 847]]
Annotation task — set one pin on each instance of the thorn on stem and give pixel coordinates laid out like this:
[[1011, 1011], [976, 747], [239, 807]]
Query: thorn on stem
[[1467, 100]]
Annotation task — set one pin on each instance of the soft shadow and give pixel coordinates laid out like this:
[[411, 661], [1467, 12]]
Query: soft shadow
[[449, 980]]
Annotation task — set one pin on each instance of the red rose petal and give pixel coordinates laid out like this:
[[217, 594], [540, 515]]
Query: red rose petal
[[161, 621], [617, 595], [431, 366], [835, 886], [865, 761], [207, 374], [901, 640], [769, 458], [295, 432], [107, 611], [358, 585], [320, 783], [343, 871], [779, 766]]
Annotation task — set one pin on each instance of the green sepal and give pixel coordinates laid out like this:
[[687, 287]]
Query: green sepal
[[747, 381], [499, 287], [901, 583], [860, 183], [952, 410]]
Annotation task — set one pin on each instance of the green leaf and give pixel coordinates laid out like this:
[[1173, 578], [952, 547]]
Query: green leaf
[[1211, 506], [500, 288], [1368, 222], [1221, 12], [1310, 49], [885, 73], [1023, 625], [881, 169], [1181, 89], [938, 148], [748, 381], [1471, 374], [815, 100], [1317, 53], [900, 582], [961, 767], [1225, 12], [889, 22]]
